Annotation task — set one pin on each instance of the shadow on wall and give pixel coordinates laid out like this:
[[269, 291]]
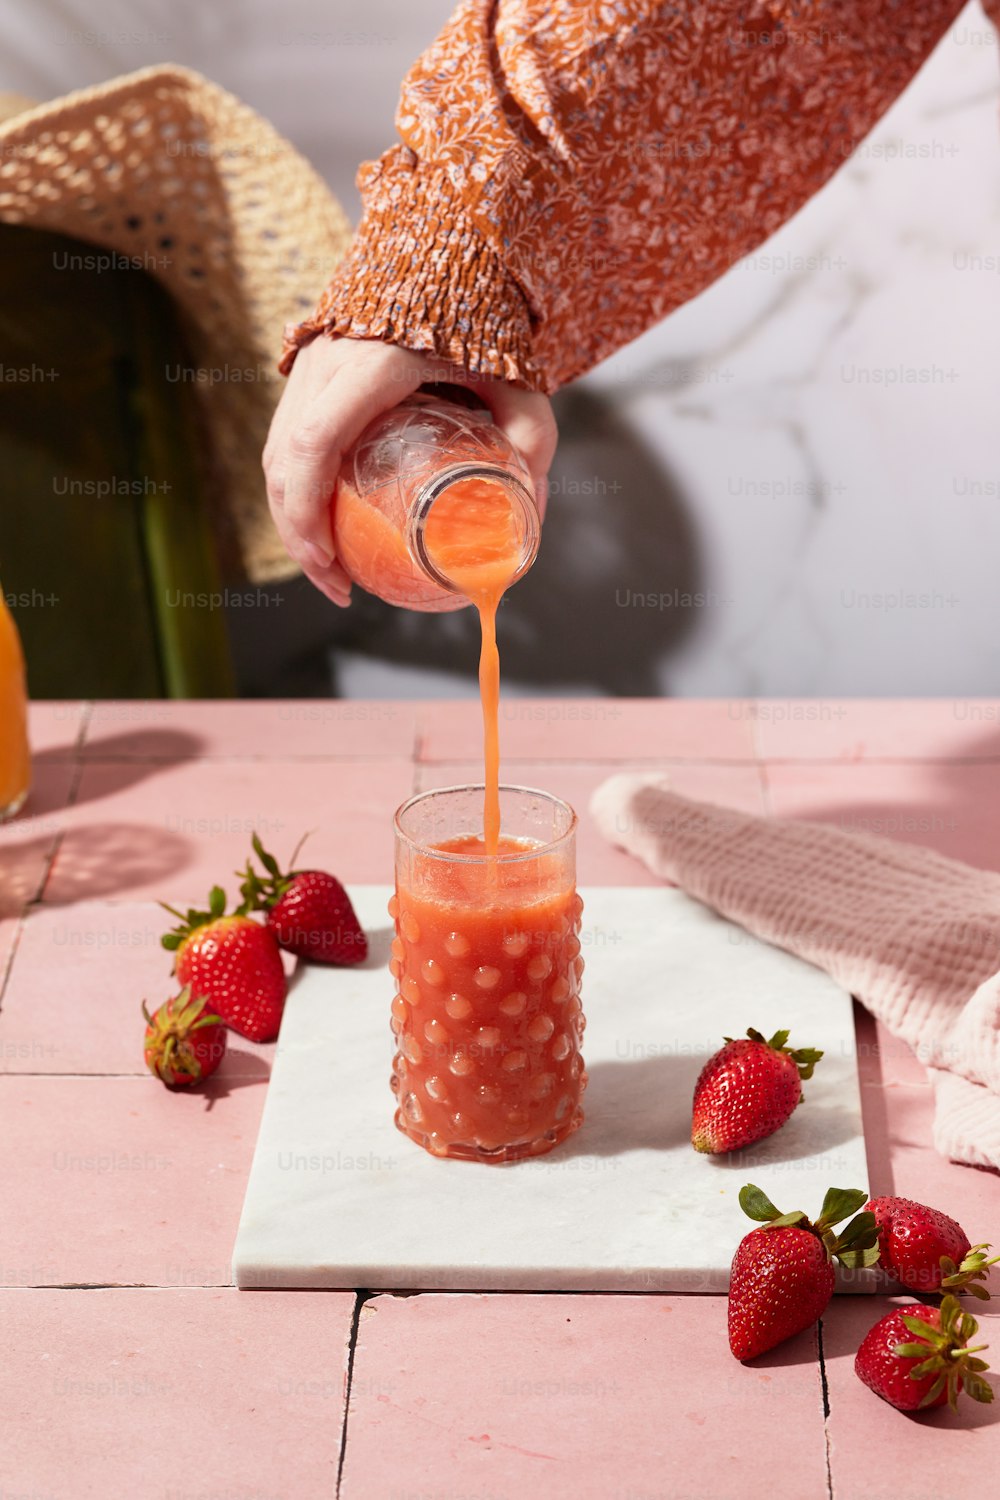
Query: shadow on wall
[[603, 605]]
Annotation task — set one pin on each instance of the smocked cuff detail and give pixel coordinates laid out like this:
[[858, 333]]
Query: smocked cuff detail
[[420, 274]]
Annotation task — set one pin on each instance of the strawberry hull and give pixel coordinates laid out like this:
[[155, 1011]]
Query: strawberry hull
[[185, 1041]]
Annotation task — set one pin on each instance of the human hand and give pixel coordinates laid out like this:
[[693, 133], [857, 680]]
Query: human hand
[[335, 388]]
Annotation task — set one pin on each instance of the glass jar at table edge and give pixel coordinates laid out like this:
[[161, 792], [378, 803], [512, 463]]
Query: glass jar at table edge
[[15, 756], [486, 1017], [393, 475]]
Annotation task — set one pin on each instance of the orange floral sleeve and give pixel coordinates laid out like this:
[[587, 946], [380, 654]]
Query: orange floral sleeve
[[570, 171]]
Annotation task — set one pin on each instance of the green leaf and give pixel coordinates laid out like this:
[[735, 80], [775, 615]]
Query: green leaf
[[756, 1204], [979, 1390], [805, 1059], [171, 941], [840, 1203], [778, 1040], [934, 1391], [910, 1351], [859, 1260], [216, 901], [925, 1330], [784, 1220], [267, 860], [861, 1232]]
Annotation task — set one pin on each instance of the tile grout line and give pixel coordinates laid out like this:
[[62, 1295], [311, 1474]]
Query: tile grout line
[[763, 779], [81, 734], [79, 765], [825, 1387], [360, 1298], [16, 943]]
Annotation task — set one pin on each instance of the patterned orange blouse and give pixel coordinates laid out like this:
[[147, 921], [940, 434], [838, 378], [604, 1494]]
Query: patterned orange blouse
[[573, 170]]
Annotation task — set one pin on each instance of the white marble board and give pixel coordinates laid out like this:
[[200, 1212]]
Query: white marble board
[[337, 1197]]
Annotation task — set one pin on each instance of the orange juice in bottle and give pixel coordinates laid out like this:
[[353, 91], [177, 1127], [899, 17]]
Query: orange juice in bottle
[[15, 761]]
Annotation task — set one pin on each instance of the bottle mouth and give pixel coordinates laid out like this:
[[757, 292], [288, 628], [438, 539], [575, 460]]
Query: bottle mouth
[[522, 503]]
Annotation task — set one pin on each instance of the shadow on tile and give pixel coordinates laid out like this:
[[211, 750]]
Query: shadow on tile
[[172, 747], [239, 1070], [109, 859], [803, 1349]]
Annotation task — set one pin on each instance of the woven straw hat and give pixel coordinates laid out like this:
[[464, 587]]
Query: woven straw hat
[[165, 167]]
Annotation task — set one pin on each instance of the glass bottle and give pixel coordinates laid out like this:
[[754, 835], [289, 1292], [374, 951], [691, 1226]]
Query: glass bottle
[[393, 476], [15, 759]]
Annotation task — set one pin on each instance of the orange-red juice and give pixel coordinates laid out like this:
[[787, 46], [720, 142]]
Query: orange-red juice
[[472, 538], [374, 553], [487, 1015], [15, 761]]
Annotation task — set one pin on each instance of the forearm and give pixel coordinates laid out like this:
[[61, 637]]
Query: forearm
[[563, 185]]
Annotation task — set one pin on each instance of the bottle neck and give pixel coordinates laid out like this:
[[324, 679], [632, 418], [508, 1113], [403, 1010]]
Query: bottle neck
[[523, 508]]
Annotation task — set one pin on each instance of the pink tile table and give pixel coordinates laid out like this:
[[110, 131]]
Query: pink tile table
[[132, 1367]]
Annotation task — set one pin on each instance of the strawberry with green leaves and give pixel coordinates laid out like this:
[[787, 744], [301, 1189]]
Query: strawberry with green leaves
[[185, 1041], [920, 1357], [747, 1090], [234, 962], [782, 1275], [927, 1250], [308, 911]]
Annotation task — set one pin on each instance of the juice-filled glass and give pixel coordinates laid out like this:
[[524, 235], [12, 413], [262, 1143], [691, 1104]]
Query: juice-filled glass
[[15, 759], [487, 1018]]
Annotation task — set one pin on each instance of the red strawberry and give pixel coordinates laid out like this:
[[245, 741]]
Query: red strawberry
[[926, 1250], [308, 911], [919, 1357], [234, 962], [184, 1042], [782, 1275], [747, 1091]]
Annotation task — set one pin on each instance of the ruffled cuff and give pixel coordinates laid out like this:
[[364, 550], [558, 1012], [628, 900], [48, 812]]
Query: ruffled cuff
[[420, 274]]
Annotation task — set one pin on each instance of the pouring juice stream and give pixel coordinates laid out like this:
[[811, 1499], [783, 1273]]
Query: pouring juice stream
[[472, 539]]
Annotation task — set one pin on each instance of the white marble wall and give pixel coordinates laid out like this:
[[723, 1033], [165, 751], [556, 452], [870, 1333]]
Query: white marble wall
[[818, 458], [831, 411]]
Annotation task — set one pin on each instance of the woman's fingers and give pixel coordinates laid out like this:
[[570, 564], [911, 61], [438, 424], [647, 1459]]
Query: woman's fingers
[[330, 580], [367, 379], [527, 419]]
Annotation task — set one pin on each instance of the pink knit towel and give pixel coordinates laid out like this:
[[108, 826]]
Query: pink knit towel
[[915, 936]]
